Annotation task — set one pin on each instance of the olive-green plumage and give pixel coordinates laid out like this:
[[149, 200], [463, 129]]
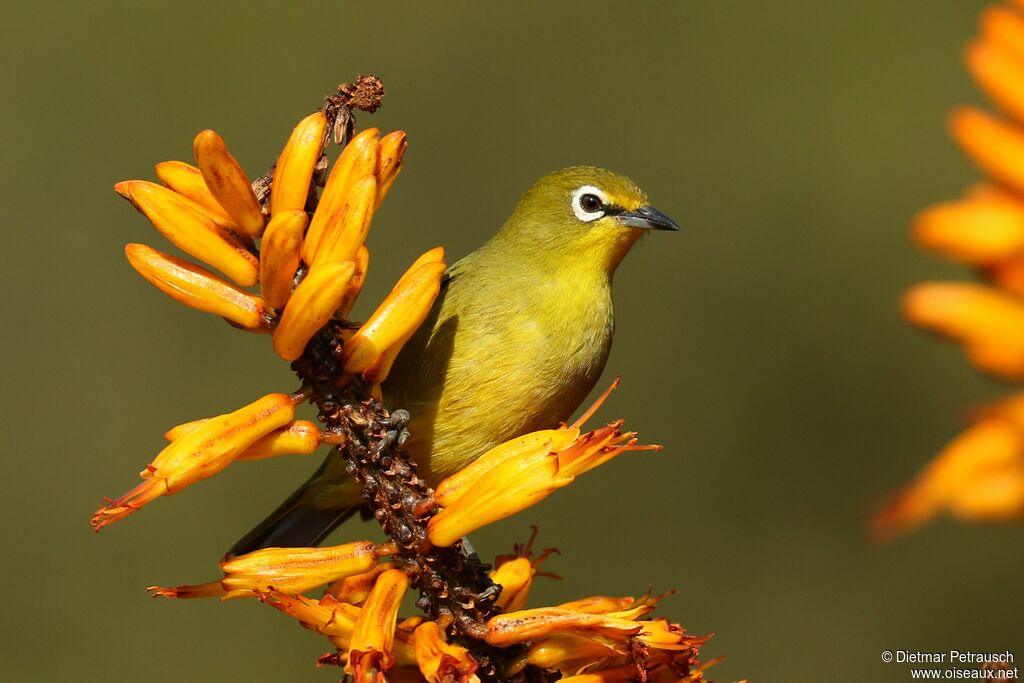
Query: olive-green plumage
[[515, 341]]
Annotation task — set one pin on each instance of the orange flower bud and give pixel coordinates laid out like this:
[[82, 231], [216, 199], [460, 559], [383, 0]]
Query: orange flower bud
[[974, 231], [519, 482], [201, 453], [186, 226], [375, 345], [178, 431], [187, 180], [994, 145], [565, 652], [296, 164], [617, 630], [988, 322], [435, 255], [1000, 72], [389, 163], [280, 253], [197, 287], [227, 182], [357, 161], [341, 239], [526, 447], [1004, 28], [370, 648], [438, 661], [296, 570], [356, 588], [979, 475], [515, 578], [534, 624], [311, 305], [355, 285], [300, 437], [599, 604]]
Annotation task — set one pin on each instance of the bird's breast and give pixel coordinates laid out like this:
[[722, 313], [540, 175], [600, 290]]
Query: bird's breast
[[503, 359]]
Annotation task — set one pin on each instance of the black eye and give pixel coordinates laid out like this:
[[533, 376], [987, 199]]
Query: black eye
[[591, 203]]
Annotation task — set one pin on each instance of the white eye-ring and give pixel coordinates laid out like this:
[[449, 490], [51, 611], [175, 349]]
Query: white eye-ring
[[588, 203]]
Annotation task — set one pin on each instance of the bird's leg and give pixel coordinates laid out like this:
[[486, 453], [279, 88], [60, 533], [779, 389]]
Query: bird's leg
[[488, 594], [467, 549]]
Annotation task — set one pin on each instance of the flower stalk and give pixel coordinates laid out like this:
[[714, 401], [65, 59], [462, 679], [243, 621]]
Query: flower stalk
[[309, 267]]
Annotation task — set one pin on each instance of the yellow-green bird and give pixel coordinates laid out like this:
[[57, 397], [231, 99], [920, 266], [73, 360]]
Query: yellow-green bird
[[517, 338]]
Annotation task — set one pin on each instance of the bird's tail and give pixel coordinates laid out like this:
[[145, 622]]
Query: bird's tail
[[294, 524]]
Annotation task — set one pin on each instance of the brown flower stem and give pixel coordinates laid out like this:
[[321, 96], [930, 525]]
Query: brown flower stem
[[454, 586]]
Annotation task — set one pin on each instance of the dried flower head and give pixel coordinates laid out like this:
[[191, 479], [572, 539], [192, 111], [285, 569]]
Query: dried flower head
[[980, 474], [302, 247]]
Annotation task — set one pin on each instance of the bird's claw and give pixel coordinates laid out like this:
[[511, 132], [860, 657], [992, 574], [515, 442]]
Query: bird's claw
[[489, 594], [399, 432]]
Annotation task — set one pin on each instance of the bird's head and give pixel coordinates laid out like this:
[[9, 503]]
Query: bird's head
[[585, 213]]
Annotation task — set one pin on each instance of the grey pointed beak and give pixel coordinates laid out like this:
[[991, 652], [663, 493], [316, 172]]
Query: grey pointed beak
[[647, 218]]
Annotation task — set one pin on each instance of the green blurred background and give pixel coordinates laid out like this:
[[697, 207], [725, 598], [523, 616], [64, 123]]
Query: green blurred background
[[762, 345]]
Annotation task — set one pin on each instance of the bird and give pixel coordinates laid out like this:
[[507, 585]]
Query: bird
[[515, 341]]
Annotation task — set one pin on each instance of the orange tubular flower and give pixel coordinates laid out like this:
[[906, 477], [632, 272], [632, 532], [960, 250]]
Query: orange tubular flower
[[1003, 27], [201, 453], [197, 287], [228, 183], [341, 241], [287, 570], [280, 254], [187, 181], [357, 161], [300, 437], [996, 146], [515, 578], [376, 344], [975, 231], [514, 573], [356, 588], [980, 474], [355, 285], [312, 304], [389, 162], [440, 662], [188, 226], [296, 570], [296, 164], [329, 617], [615, 627], [523, 478], [989, 322], [369, 651]]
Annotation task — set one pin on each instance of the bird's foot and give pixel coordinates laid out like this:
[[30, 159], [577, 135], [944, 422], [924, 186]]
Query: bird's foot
[[398, 432]]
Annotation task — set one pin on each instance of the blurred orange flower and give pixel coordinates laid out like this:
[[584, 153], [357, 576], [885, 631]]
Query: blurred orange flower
[[980, 474]]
